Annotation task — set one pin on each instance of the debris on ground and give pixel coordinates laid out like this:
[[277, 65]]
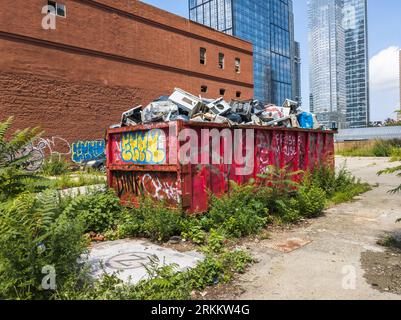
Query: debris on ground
[[383, 270], [184, 106]]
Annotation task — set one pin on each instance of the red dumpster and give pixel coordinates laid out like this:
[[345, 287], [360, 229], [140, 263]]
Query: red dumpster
[[181, 162]]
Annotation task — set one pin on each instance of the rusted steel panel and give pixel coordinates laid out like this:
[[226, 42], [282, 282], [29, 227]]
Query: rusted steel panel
[[144, 159]]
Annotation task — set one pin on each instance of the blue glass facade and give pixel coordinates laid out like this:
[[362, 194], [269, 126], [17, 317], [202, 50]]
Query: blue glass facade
[[356, 62], [268, 24], [327, 62]]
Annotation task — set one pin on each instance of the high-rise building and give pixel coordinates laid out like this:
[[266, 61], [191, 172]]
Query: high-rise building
[[297, 73], [356, 62], [399, 114], [269, 25], [339, 70], [327, 62]]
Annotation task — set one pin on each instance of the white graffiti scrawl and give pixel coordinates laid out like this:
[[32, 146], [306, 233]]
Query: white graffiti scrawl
[[161, 190], [39, 149]]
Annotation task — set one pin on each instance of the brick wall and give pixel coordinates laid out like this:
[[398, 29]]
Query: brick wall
[[104, 58]]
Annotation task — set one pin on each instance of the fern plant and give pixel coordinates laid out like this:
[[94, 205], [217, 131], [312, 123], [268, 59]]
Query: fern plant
[[13, 178], [396, 170], [35, 234]]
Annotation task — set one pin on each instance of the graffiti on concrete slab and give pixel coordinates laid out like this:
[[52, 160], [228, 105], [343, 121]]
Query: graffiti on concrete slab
[[83, 151], [144, 147], [130, 260]]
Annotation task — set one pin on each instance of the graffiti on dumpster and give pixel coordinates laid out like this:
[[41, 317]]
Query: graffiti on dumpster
[[148, 185], [161, 190], [144, 147], [82, 151]]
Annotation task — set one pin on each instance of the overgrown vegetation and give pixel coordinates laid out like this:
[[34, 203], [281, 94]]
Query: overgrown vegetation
[[14, 179], [41, 231], [395, 155], [164, 283], [381, 148], [340, 186], [35, 234], [55, 166], [76, 179]]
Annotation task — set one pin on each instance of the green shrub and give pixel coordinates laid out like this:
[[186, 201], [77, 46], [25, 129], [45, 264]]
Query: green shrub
[[288, 211], [35, 234], [312, 201], [191, 229], [383, 148], [395, 154], [326, 178], [236, 261], [55, 166], [80, 179], [99, 211], [350, 193], [154, 219], [218, 269], [238, 213], [215, 241], [340, 186]]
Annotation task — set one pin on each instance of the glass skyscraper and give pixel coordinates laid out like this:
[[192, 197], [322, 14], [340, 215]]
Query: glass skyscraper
[[356, 62], [339, 63], [327, 62], [268, 24]]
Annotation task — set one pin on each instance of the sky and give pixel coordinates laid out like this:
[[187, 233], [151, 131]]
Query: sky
[[384, 25]]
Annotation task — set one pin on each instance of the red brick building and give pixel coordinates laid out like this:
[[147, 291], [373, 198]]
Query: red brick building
[[105, 57]]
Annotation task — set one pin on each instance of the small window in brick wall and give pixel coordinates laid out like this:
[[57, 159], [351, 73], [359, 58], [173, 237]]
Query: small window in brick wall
[[59, 8], [222, 92], [237, 65], [202, 53], [238, 94], [204, 89], [221, 60]]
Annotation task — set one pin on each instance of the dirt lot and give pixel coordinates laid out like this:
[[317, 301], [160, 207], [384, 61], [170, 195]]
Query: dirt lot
[[335, 256]]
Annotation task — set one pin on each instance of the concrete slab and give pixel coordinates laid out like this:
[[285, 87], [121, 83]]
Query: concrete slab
[[128, 258]]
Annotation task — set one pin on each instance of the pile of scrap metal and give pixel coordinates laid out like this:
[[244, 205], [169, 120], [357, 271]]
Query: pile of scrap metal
[[184, 106]]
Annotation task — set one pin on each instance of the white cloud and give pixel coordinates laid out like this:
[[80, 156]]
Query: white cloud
[[384, 83], [384, 71]]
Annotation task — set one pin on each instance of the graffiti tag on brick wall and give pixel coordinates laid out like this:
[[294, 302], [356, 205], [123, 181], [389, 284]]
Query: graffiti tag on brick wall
[[54, 146], [144, 147], [37, 151], [83, 151]]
